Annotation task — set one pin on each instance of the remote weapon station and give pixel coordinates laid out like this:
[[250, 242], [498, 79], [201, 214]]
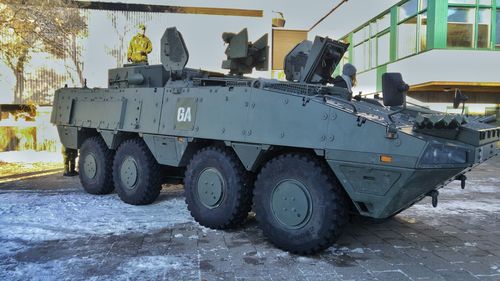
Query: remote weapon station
[[301, 154]]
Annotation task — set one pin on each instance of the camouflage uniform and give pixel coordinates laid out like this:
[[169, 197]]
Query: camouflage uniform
[[139, 48], [69, 158]]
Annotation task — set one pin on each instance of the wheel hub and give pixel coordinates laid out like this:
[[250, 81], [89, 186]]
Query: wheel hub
[[291, 203], [210, 188], [129, 173], [90, 166]]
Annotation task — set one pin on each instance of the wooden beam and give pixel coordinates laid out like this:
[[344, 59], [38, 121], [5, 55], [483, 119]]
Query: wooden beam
[[440, 86], [147, 8]]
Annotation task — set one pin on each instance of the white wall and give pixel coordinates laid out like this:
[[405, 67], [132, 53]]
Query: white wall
[[450, 65], [440, 65]]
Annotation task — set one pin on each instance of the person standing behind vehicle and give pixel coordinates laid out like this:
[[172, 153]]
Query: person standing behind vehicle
[[347, 79], [140, 46], [69, 158]]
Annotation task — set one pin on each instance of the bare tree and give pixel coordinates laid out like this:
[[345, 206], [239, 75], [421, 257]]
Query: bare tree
[[30, 26]]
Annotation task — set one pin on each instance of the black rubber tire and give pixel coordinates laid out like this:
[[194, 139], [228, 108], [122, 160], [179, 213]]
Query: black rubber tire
[[148, 184], [102, 182], [329, 211], [236, 201]]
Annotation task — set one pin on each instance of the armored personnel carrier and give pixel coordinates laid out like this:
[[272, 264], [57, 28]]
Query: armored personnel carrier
[[305, 153]]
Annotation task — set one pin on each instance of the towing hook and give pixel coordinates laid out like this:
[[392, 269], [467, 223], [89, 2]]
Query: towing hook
[[305, 101], [462, 178], [361, 121], [434, 194]]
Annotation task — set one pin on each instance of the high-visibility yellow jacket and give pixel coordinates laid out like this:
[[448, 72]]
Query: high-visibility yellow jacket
[[139, 48]]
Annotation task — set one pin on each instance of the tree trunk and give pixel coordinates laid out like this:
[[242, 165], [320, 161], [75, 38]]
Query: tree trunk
[[18, 71], [76, 59]]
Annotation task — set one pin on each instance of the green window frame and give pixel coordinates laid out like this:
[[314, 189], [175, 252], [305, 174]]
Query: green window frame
[[365, 41], [495, 28], [478, 7], [417, 16]]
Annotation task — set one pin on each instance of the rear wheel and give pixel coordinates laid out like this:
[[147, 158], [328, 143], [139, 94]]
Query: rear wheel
[[217, 187], [95, 163], [136, 173], [299, 205]]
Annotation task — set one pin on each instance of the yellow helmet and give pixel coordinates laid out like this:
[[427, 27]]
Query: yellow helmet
[[141, 26]]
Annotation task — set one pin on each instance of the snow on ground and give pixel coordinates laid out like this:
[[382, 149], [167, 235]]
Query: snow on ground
[[51, 216], [29, 218], [482, 208], [159, 266], [45, 271], [30, 156], [463, 207]]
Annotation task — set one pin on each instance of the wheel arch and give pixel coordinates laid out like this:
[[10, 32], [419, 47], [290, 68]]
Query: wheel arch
[[276, 151], [176, 151], [74, 137], [113, 139]]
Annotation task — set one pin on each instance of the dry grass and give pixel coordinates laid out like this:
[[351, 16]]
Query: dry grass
[[15, 169]]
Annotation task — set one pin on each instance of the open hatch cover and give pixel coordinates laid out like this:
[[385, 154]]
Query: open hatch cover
[[314, 63]]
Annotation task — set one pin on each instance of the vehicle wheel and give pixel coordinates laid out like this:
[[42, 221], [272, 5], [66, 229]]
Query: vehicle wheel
[[217, 187], [95, 166], [299, 205], [136, 173]]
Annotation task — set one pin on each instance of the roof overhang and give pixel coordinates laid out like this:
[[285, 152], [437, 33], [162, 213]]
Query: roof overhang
[[447, 86]]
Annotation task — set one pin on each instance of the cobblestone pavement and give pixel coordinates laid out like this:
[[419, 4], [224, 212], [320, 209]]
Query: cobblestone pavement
[[51, 230]]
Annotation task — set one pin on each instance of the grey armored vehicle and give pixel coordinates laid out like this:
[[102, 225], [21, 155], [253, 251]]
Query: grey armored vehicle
[[305, 153]]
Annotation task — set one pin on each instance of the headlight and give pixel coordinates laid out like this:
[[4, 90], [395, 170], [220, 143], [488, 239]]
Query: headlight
[[436, 154]]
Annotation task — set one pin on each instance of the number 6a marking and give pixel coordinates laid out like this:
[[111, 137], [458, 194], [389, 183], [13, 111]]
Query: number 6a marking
[[184, 114]]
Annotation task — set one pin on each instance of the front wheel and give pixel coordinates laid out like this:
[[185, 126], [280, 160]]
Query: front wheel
[[299, 205], [218, 189], [136, 173], [95, 163]]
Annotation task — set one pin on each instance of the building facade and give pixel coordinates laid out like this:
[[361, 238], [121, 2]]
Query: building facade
[[439, 46]]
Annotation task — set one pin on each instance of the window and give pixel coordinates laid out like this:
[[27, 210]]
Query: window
[[407, 40], [423, 33], [384, 48], [412, 28], [373, 52], [461, 27], [367, 40], [470, 23], [498, 29], [384, 22], [361, 35], [361, 56], [423, 5], [483, 28], [408, 9]]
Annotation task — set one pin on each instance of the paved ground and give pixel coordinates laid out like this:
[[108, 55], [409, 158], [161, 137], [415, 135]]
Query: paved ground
[[51, 230]]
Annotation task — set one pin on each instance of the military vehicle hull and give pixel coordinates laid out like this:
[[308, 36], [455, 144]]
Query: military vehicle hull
[[308, 152], [254, 121]]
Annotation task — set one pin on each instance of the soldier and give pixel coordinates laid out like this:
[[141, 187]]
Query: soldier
[[347, 79], [140, 46], [69, 158]]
